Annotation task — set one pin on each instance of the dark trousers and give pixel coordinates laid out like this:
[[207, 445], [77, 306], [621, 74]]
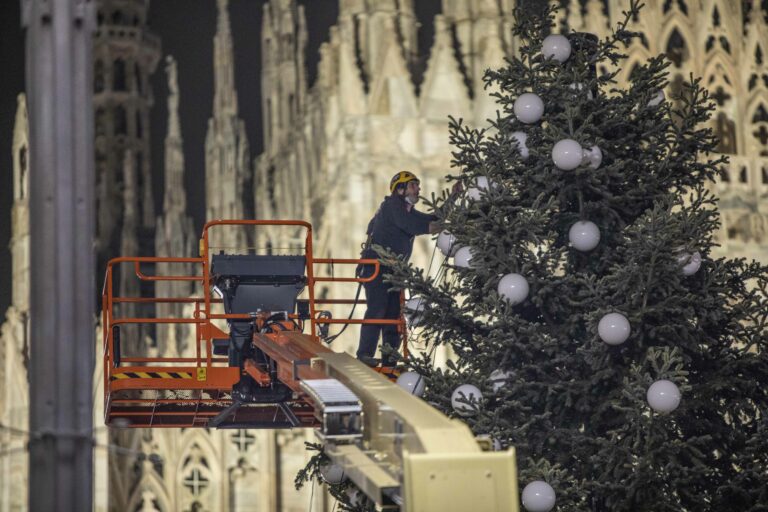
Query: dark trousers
[[382, 304]]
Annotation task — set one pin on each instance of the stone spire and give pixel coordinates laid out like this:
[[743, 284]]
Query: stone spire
[[125, 55], [374, 23], [228, 177], [129, 244], [175, 197], [225, 97], [20, 209], [283, 76], [175, 235]]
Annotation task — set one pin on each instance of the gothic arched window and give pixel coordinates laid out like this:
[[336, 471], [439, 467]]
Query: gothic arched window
[[677, 50], [101, 121], [118, 75], [139, 125], [760, 130], [22, 172], [725, 129], [121, 121], [117, 18], [138, 77], [98, 76]]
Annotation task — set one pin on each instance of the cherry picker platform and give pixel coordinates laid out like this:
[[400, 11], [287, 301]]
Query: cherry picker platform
[[266, 372]]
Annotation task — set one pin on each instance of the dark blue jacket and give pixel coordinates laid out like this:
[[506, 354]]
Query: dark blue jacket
[[395, 227]]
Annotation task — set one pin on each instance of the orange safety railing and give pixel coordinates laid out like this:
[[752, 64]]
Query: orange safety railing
[[204, 371]]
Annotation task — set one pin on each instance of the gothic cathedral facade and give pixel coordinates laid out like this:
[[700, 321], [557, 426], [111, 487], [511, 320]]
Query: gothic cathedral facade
[[329, 150]]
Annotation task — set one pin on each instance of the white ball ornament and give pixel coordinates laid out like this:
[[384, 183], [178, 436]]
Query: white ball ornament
[[567, 154], [528, 108], [446, 242], [332, 473], [481, 184], [538, 496], [691, 263], [614, 329], [521, 138], [592, 157], [657, 99], [414, 307], [584, 235], [663, 396], [466, 392], [556, 47], [514, 288], [499, 379], [463, 257], [412, 382]]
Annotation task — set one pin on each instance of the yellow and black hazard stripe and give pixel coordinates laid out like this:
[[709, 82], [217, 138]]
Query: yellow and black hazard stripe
[[151, 375]]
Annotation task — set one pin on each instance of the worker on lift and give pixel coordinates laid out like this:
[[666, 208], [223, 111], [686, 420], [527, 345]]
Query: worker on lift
[[394, 226]]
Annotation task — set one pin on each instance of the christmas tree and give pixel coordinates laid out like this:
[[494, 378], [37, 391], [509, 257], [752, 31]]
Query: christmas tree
[[592, 328]]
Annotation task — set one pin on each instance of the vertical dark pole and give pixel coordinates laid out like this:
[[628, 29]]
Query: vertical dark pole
[[62, 309]]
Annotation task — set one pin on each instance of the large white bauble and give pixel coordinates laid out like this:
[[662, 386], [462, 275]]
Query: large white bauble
[[412, 382], [521, 138], [528, 108], [466, 392], [538, 496], [584, 235], [446, 242], [613, 329], [657, 99], [691, 263], [463, 257], [593, 157], [557, 47], [481, 184], [514, 288], [567, 154], [332, 473], [414, 307], [499, 379], [663, 396]]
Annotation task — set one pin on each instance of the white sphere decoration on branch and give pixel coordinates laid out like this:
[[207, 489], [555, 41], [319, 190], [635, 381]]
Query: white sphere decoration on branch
[[528, 108], [556, 47], [414, 307], [412, 382], [567, 154], [538, 496], [521, 138], [499, 379], [614, 329], [592, 157], [584, 235], [446, 242], [514, 288], [663, 396], [332, 473], [481, 184], [466, 399], [691, 263], [463, 257], [657, 99]]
